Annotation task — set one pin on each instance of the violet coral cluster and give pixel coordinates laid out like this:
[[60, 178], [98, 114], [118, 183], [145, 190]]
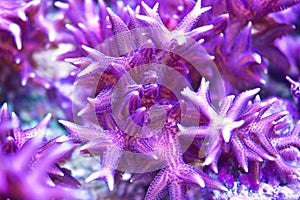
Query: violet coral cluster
[[30, 164], [177, 100]]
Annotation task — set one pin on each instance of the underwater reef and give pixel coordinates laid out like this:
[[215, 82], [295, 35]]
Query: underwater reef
[[187, 99]]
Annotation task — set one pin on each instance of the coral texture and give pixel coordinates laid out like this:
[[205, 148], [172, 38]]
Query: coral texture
[[184, 99]]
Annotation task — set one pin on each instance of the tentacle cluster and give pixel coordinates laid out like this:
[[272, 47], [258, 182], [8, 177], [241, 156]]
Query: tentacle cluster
[[149, 77], [140, 36], [153, 110], [29, 166], [247, 45], [253, 131], [26, 31]]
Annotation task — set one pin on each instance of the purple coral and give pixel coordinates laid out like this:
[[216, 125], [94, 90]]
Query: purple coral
[[30, 163], [144, 101], [20, 179], [253, 137], [153, 96], [25, 30], [234, 127]]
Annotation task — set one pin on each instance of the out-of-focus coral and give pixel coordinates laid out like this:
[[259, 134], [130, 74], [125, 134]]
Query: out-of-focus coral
[[25, 30], [295, 90], [29, 166], [247, 47], [32, 36]]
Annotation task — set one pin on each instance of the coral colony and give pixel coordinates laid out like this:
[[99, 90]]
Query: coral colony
[[184, 99]]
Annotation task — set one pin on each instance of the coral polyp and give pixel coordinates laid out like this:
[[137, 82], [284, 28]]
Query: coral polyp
[[29, 166], [137, 103]]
